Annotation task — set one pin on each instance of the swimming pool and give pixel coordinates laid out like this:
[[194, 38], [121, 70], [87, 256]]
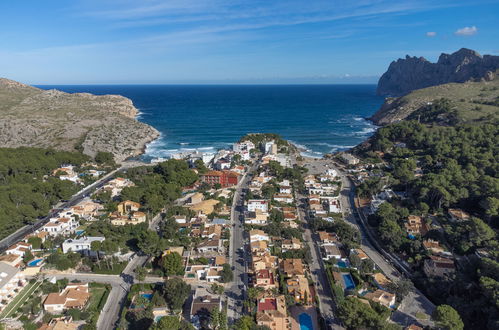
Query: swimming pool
[[305, 322], [148, 296], [342, 264], [35, 263], [349, 283], [80, 232]]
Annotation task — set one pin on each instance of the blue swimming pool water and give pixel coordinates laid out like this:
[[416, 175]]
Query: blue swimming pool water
[[148, 296], [342, 264], [34, 263], [349, 284], [79, 232], [305, 322]]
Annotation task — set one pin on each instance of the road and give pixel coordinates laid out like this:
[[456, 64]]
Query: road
[[317, 269], [238, 255], [75, 199], [415, 302]]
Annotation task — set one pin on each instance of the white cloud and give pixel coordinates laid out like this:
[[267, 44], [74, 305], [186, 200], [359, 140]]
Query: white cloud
[[431, 34], [466, 31]]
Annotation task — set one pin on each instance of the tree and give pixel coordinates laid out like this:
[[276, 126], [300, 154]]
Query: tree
[[447, 318], [167, 323], [149, 242], [176, 292], [27, 256], [355, 314], [173, 264], [104, 157], [217, 288], [141, 273], [401, 288], [36, 242], [226, 275]]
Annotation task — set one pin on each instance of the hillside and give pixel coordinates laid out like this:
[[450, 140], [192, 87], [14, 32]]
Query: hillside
[[411, 73], [89, 123], [473, 102]]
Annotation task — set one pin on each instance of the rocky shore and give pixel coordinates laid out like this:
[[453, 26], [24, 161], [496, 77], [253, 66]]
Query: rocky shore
[[89, 123]]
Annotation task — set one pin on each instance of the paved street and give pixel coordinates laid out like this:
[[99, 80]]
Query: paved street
[[238, 256], [318, 272], [415, 302]]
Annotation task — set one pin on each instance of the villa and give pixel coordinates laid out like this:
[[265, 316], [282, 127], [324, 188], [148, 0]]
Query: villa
[[382, 297], [73, 296]]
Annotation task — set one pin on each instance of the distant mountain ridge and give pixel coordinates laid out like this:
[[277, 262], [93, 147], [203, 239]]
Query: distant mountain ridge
[[411, 73], [33, 117]]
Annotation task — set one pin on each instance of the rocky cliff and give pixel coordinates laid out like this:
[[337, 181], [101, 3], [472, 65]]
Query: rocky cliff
[[50, 118], [411, 73]]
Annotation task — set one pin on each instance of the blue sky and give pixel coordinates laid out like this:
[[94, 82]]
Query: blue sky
[[232, 41]]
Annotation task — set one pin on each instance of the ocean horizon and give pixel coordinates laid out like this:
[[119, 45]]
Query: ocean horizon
[[318, 118]]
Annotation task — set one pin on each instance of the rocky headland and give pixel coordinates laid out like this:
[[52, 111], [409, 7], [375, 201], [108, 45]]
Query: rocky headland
[[89, 123]]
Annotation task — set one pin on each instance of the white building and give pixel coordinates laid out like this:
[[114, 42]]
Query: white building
[[11, 283], [334, 206], [61, 226], [258, 235], [81, 245], [258, 204], [243, 146]]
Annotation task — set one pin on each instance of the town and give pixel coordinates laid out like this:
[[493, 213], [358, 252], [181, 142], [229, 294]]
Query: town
[[253, 237]]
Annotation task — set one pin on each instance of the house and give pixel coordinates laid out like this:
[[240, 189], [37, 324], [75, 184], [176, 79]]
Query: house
[[291, 267], [334, 206], [265, 261], [82, 245], [60, 323], [212, 231], [285, 190], [415, 225], [75, 295], [223, 178], [349, 159], [212, 245], [87, 210], [330, 251], [284, 198], [13, 260], [272, 313], [61, 226], [309, 180], [381, 281], [195, 198], [203, 303], [257, 204], [258, 235], [219, 261], [213, 274], [439, 267], [360, 253], [291, 244], [458, 215], [257, 217], [11, 283], [382, 297], [19, 249], [66, 172], [434, 247], [331, 172], [128, 207], [264, 278], [327, 238], [180, 218], [222, 164], [243, 146], [299, 289], [259, 247]]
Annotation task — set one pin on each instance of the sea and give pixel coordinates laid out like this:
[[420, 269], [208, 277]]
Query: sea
[[317, 118]]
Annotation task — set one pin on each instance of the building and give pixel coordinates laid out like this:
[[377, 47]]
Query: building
[[292, 267], [434, 247], [75, 295], [299, 289], [334, 206], [439, 267], [264, 278], [327, 238], [257, 217], [330, 251], [258, 235], [11, 283], [458, 215], [291, 244], [61, 226], [195, 198], [20, 248], [223, 178], [243, 146], [382, 297], [381, 281], [202, 304], [415, 225], [257, 204], [349, 159], [212, 245], [82, 245], [272, 313], [284, 198], [128, 207]]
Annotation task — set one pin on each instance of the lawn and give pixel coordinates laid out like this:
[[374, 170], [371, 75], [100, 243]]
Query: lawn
[[19, 300], [98, 296]]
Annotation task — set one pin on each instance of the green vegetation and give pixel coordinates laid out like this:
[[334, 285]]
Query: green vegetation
[[357, 315], [447, 318], [27, 191]]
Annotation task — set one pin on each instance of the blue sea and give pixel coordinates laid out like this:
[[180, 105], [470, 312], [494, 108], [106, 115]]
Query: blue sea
[[318, 118]]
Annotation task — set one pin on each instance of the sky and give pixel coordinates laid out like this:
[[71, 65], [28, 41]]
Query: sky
[[232, 41]]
